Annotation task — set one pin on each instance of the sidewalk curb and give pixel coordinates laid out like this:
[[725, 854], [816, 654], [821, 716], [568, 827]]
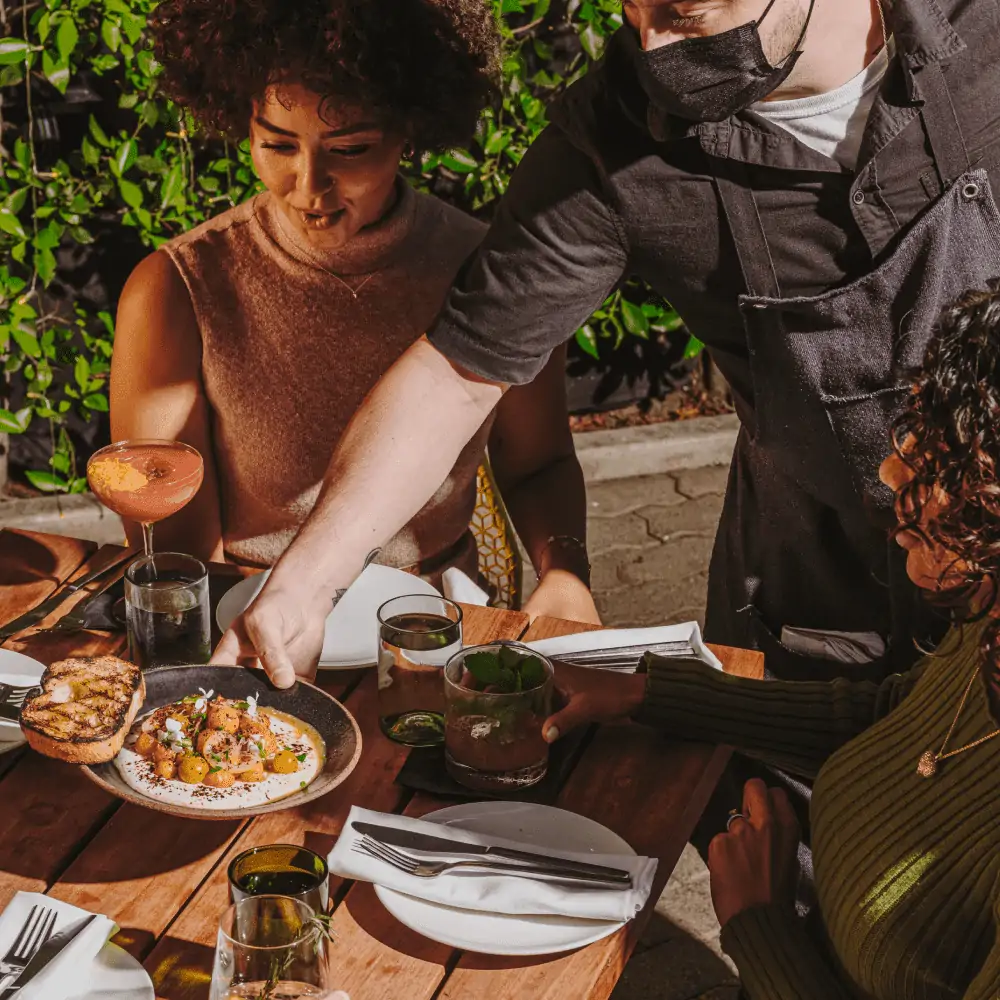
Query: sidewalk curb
[[656, 448], [613, 454]]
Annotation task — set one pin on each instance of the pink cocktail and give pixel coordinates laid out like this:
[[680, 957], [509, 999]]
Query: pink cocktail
[[145, 481]]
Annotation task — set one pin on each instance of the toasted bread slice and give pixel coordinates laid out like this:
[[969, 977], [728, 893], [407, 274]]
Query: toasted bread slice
[[85, 710]]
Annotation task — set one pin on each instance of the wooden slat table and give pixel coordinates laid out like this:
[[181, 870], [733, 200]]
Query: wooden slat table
[[164, 879]]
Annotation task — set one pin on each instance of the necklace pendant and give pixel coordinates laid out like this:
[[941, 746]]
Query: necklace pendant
[[927, 765]]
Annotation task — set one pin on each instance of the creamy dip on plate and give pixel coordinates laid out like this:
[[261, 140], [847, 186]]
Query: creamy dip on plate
[[297, 736]]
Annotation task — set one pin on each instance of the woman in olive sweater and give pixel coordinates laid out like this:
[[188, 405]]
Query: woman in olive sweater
[[906, 808]]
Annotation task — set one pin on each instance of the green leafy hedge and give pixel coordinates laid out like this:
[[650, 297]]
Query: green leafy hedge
[[131, 161]]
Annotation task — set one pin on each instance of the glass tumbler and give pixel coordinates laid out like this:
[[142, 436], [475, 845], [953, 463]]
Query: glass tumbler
[[493, 731], [167, 609], [271, 947], [281, 870], [417, 635]]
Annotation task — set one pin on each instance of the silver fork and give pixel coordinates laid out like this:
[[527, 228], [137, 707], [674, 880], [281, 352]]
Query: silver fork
[[36, 931], [14, 696], [410, 865]]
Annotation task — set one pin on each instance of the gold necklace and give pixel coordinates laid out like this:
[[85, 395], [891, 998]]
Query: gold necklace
[[927, 766], [304, 259]]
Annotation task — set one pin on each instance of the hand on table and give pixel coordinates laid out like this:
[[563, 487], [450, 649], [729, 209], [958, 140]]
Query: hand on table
[[561, 594], [281, 631], [756, 861], [591, 695]]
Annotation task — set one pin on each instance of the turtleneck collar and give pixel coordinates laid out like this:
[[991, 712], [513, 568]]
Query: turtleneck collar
[[371, 249]]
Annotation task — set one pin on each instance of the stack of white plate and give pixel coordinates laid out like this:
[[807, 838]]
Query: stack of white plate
[[352, 628], [20, 671]]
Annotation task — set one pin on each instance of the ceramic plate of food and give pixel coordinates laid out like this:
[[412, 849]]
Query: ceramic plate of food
[[351, 629], [221, 743]]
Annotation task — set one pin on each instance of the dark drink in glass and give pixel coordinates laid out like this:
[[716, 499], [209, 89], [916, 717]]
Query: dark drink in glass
[[281, 870], [167, 609], [418, 634]]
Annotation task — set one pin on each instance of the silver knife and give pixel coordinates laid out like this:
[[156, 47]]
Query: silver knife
[[49, 951], [440, 845], [52, 602]]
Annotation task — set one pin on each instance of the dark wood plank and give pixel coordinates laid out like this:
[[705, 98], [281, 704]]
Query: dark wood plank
[[367, 945], [650, 792], [32, 565]]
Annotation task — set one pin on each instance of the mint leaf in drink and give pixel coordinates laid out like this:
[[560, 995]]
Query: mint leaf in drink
[[509, 657], [507, 681], [484, 667], [532, 673]]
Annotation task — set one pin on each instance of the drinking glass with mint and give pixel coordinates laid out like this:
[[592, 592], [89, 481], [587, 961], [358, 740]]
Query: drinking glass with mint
[[496, 698]]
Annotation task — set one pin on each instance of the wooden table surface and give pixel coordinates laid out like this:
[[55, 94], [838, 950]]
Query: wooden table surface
[[163, 879]]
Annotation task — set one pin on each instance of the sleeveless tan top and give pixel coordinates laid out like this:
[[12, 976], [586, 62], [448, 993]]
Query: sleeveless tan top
[[288, 355]]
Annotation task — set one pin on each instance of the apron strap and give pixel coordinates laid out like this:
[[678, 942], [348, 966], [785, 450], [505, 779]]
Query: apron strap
[[740, 208], [951, 155]]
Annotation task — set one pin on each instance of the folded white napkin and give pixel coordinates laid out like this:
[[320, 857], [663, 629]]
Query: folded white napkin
[[457, 586], [63, 976], [609, 638], [493, 893]]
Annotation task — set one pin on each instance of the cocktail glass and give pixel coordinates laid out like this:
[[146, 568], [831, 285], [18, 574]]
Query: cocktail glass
[[145, 480]]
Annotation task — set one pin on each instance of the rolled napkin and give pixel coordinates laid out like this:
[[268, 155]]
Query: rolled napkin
[[457, 586], [487, 891], [64, 976], [612, 638]]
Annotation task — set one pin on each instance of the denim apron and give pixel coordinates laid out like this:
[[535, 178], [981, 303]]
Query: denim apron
[[829, 375]]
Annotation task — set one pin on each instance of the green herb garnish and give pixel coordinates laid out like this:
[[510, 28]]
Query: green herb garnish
[[300, 757], [506, 672]]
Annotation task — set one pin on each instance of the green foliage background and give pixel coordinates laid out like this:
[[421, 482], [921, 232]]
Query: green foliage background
[[137, 165]]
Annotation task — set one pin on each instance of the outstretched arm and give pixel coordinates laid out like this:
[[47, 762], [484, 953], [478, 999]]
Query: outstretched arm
[[394, 454]]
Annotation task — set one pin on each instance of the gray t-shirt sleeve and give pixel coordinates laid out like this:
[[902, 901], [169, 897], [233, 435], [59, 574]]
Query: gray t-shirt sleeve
[[554, 253]]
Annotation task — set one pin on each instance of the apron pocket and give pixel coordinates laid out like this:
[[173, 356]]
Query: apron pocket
[[862, 425], [782, 663]]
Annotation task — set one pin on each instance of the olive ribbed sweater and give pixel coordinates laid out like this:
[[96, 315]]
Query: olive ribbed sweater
[[906, 867]]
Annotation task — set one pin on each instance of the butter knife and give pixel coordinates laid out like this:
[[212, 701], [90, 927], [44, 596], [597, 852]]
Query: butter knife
[[440, 845], [46, 954], [37, 613]]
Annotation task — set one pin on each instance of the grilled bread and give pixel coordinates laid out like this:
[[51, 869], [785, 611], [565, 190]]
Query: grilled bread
[[85, 710]]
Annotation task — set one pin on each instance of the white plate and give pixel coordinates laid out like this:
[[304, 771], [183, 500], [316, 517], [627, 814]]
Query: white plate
[[21, 671], [545, 828], [116, 975], [351, 629]]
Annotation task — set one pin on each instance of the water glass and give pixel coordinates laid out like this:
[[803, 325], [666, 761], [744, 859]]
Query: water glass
[[270, 947], [493, 730], [281, 870], [417, 635], [167, 609]]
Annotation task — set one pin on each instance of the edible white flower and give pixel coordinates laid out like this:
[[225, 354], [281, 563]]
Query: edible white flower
[[252, 705], [174, 731], [202, 702]]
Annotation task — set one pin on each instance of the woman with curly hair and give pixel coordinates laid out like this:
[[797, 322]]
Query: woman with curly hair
[[255, 336], [905, 819]]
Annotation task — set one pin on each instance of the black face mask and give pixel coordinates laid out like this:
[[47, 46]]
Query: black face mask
[[708, 79]]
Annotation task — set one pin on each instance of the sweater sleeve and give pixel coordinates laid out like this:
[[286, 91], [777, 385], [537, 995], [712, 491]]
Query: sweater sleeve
[[777, 958], [792, 725]]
